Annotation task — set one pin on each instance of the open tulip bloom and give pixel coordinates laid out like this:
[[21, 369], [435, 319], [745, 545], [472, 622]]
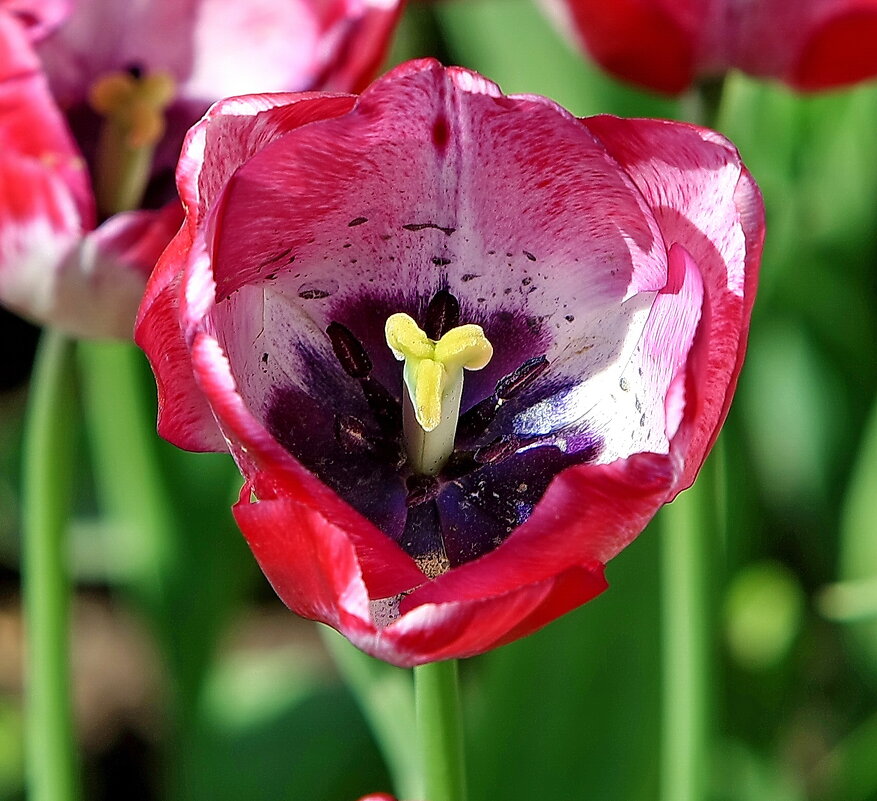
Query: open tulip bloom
[[668, 44], [96, 97], [461, 345]]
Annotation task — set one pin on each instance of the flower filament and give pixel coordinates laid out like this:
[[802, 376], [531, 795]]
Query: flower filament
[[133, 108], [433, 378]]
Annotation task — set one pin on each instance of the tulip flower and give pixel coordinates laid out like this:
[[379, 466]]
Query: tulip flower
[[95, 107], [461, 345], [668, 44]]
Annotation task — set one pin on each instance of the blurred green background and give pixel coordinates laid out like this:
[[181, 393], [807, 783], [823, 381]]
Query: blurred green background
[[193, 682]]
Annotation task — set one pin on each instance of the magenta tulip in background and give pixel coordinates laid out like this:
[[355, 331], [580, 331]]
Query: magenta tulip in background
[[668, 44], [612, 263], [55, 265]]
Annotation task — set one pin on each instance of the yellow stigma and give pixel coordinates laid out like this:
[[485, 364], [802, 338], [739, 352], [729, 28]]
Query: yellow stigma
[[134, 104], [433, 377], [133, 109]]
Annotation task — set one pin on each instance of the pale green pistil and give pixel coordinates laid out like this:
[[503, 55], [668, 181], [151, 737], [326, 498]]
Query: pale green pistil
[[433, 376], [133, 110]]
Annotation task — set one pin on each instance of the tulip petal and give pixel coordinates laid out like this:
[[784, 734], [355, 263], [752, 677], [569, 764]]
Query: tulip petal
[[234, 130], [841, 50], [44, 197], [216, 49], [669, 44], [714, 212], [313, 567], [184, 415], [347, 248], [647, 43], [40, 17]]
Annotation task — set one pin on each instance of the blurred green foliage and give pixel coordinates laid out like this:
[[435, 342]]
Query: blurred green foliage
[[574, 710]]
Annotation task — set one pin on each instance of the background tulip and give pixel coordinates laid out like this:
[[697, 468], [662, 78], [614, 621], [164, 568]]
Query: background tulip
[[112, 89], [668, 44], [618, 321]]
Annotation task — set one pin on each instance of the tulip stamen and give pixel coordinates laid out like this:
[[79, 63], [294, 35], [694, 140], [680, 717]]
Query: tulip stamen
[[133, 107], [433, 377]]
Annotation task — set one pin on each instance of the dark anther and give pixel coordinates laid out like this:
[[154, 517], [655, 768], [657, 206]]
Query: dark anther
[[421, 489], [498, 450], [351, 434], [442, 314], [386, 409], [354, 437], [349, 351], [135, 71], [460, 464], [474, 421], [516, 382]]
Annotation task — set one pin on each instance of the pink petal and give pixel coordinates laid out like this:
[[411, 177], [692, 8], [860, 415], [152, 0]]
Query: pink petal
[[588, 514], [282, 531], [668, 44], [216, 49], [462, 628], [100, 283], [705, 202], [275, 474], [361, 41], [344, 237], [841, 50], [816, 44], [45, 200], [40, 17], [184, 415], [313, 567], [647, 42], [234, 130]]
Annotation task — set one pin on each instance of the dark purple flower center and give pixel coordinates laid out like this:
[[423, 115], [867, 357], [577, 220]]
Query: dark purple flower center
[[345, 425]]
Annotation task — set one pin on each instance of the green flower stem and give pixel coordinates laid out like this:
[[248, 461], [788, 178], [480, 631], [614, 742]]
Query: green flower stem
[[385, 695], [702, 105], [52, 773], [129, 481], [689, 533], [693, 529], [440, 730], [148, 550]]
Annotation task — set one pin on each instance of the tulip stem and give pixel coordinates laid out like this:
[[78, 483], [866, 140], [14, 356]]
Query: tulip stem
[[702, 104], [688, 530], [48, 450], [129, 483], [439, 725]]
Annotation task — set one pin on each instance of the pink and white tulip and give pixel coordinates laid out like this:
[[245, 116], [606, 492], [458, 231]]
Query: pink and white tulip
[[611, 264]]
